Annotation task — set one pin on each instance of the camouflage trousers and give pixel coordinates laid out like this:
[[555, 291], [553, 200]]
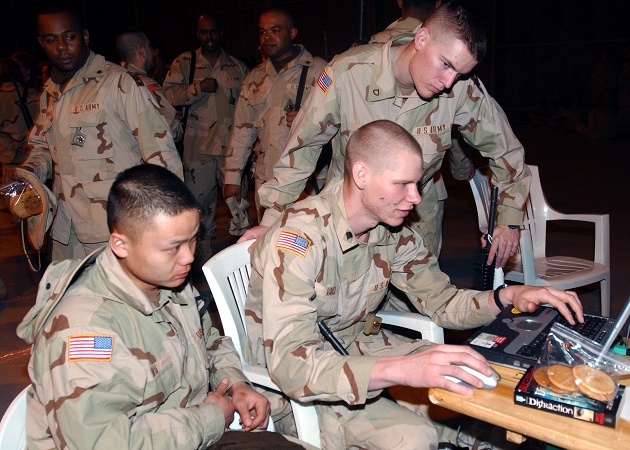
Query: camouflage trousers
[[204, 177]]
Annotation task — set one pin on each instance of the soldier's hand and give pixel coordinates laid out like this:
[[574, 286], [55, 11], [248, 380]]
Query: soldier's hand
[[529, 298], [209, 85], [253, 407], [253, 233], [290, 117], [232, 190], [504, 245], [429, 368], [219, 398]]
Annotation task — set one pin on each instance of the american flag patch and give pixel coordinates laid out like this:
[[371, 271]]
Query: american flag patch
[[293, 242], [153, 87], [90, 348], [324, 81]]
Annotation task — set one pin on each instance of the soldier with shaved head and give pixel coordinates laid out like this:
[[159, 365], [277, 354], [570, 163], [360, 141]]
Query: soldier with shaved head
[[330, 258]]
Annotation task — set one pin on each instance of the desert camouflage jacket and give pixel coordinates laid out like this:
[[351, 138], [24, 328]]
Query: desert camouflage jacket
[[309, 266], [13, 129], [166, 109], [358, 87], [100, 124], [261, 113], [112, 370], [210, 116]]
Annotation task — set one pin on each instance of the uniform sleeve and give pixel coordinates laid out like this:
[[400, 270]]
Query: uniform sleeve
[[316, 124], [223, 358], [108, 399], [416, 272], [143, 118], [296, 357], [39, 159], [242, 137], [176, 86], [486, 128]]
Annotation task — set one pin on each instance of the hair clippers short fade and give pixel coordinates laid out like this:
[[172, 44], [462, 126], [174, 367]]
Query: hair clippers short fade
[[141, 193]]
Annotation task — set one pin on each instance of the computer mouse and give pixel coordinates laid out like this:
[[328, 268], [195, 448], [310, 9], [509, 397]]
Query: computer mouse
[[489, 382]]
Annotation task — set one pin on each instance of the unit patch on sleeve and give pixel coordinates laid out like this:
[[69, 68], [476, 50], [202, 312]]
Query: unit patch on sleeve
[[90, 348], [293, 242]]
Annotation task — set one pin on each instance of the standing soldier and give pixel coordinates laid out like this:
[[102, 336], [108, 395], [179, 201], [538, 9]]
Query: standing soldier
[[208, 82], [268, 103], [94, 122], [138, 57]]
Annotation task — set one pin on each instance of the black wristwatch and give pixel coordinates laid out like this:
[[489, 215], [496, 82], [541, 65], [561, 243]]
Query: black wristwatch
[[514, 227], [497, 300]]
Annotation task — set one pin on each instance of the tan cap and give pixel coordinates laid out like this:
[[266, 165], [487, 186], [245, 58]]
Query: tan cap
[[37, 225]]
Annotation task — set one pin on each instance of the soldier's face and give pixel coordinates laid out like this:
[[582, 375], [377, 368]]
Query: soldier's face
[[391, 192], [63, 41], [276, 35], [161, 255], [438, 62], [209, 35]]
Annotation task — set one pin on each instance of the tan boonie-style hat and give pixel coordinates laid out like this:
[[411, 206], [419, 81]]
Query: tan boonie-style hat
[[38, 224]]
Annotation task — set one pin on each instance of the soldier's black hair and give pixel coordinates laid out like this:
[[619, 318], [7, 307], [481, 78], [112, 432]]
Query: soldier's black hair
[[463, 22], [127, 41], [62, 7], [284, 12], [212, 17], [141, 193]]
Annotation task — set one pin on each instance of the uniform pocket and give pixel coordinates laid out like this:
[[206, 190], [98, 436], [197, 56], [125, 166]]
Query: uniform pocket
[[89, 136]]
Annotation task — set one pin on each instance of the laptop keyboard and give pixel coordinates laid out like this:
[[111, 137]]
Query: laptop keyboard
[[590, 328]]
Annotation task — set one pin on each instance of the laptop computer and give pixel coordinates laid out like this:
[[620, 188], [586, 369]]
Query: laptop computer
[[516, 339]]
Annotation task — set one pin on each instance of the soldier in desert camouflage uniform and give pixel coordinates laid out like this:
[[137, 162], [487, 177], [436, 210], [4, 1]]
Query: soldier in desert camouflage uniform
[[94, 122], [13, 125], [410, 80], [331, 258], [265, 109], [212, 98], [138, 57], [124, 356]]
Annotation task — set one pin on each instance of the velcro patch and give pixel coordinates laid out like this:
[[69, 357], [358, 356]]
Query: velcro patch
[[325, 81], [90, 348], [293, 242]]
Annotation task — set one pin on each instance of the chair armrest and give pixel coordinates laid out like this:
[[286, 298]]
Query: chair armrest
[[414, 321], [259, 376]]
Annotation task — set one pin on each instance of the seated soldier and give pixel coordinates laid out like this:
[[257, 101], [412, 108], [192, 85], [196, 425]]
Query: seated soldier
[[124, 355], [330, 258]]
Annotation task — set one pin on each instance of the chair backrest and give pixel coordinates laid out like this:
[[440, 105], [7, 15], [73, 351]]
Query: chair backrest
[[481, 189], [229, 271], [13, 425]]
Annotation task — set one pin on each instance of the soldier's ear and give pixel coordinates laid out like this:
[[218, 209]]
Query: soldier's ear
[[86, 36], [360, 174], [118, 242], [293, 33]]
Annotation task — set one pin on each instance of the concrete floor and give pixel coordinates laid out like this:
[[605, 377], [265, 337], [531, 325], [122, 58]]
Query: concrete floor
[[577, 176]]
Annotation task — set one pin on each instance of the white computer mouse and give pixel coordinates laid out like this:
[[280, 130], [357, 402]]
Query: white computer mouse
[[489, 382]]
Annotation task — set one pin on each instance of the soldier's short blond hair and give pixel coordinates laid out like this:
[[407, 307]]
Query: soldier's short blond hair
[[374, 144]]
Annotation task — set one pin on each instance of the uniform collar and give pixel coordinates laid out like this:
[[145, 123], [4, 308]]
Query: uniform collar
[[304, 58], [132, 68], [223, 60], [123, 289], [333, 196], [383, 83], [93, 69]]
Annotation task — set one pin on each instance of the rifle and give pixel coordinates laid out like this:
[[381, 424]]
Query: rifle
[[484, 273]]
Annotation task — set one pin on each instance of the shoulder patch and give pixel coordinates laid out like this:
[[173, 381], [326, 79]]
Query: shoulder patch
[[293, 242], [90, 348], [325, 81]]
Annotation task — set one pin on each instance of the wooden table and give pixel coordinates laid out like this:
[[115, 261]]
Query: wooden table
[[497, 406]]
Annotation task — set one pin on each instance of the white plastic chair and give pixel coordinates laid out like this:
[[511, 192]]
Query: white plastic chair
[[532, 266], [13, 425], [228, 274]]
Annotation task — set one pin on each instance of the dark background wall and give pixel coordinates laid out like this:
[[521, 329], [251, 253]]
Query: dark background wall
[[540, 50]]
